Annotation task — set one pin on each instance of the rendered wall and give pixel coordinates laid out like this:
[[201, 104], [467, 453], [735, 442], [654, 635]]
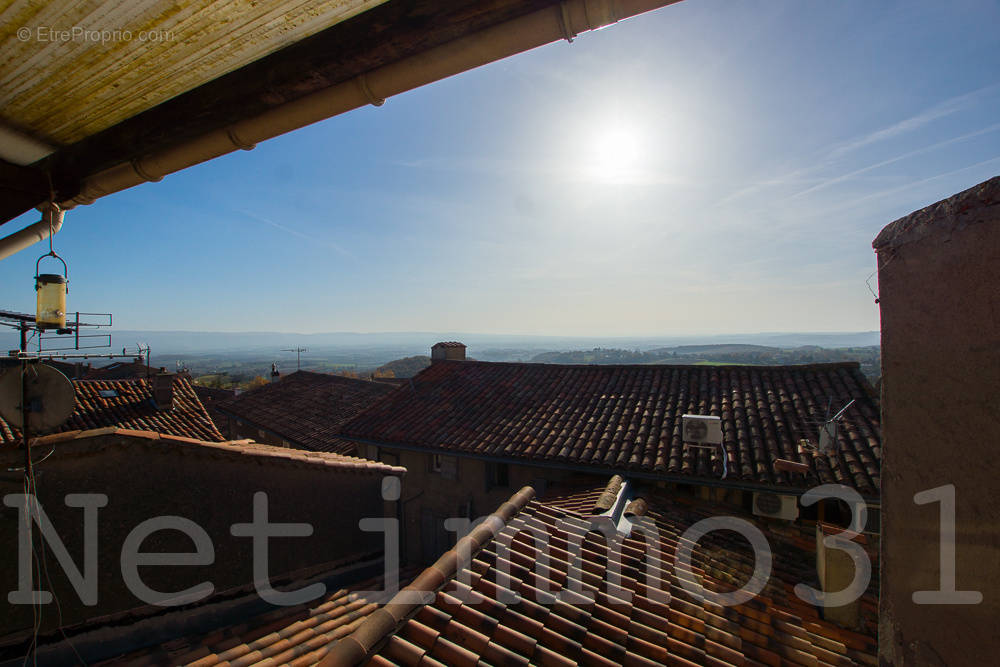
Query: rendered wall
[[144, 479], [939, 286], [431, 497]]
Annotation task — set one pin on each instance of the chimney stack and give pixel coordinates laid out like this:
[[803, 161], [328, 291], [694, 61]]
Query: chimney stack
[[275, 375], [163, 390], [447, 351]]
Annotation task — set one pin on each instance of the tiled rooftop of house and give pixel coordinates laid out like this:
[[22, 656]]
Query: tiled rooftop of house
[[477, 616], [306, 408], [209, 397], [299, 636], [122, 370], [627, 418], [129, 404]]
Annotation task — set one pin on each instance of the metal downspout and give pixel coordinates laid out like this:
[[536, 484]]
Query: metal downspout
[[51, 222]]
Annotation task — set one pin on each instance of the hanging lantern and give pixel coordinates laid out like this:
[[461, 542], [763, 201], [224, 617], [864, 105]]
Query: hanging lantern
[[51, 289]]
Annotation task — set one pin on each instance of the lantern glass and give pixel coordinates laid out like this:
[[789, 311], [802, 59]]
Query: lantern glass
[[51, 293]]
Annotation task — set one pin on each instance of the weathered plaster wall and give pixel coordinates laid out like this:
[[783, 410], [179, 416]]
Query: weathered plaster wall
[[145, 480], [939, 285], [430, 496]]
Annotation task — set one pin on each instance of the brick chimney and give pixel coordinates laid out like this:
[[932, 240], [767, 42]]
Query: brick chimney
[[448, 351], [163, 390]]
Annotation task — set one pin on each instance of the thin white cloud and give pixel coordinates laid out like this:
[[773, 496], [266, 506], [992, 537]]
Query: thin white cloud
[[882, 194], [294, 232], [798, 176], [940, 110], [878, 165]]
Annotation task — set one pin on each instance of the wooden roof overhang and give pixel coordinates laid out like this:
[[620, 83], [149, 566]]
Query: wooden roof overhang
[[99, 108]]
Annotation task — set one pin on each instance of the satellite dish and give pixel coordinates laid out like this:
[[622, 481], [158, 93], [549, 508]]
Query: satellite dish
[[50, 396]]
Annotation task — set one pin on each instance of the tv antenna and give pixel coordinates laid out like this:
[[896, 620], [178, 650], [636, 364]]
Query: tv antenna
[[829, 429], [298, 356], [35, 397]]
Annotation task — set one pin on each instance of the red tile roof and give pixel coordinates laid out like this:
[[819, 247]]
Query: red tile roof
[[306, 408], [209, 397], [299, 636], [477, 616], [296, 635], [123, 370], [132, 407], [627, 418]]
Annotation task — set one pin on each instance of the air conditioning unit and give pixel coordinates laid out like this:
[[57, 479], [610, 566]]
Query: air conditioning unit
[[775, 505], [701, 429]]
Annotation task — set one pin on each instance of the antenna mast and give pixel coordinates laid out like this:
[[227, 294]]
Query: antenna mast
[[298, 356]]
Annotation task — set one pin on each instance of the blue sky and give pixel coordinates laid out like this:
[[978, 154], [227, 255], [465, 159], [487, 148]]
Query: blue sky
[[712, 167]]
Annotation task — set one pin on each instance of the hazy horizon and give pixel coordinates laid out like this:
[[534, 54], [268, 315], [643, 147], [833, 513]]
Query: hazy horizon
[[276, 344]]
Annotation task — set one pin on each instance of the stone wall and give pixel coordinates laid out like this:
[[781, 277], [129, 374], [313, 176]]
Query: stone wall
[[939, 286], [148, 478]]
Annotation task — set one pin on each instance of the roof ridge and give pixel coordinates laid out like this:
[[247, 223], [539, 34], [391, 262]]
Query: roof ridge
[[810, 366], [363, 643], [242, 447]]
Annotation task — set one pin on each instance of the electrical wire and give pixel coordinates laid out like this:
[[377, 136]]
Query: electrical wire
[[40, 563], [868, 280], [36, 609], [48, 582]]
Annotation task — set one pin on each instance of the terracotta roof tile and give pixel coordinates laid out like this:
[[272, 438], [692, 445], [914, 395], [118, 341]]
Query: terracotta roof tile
[[627, 418], [306, 408], [131, 407], [209, 397], [298, 635], [463, 623]]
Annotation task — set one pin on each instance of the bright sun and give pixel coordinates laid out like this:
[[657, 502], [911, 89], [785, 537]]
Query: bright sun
[[614, 153]]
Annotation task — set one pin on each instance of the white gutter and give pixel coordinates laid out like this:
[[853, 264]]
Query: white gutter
[[561, 21], [51, 222], [18, 148]]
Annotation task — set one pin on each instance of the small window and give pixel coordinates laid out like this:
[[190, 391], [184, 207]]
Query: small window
[[107, 393], [446, 466], [497, 476]]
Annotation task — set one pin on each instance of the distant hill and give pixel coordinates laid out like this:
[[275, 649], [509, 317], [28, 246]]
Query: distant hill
[[407, 367], [869, 357], [722, 348], [392, 345], [596, 356]]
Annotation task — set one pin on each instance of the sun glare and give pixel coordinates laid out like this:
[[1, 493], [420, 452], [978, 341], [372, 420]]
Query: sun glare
[[615, 153]]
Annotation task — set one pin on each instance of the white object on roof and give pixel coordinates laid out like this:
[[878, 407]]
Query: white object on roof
[[701, 429]]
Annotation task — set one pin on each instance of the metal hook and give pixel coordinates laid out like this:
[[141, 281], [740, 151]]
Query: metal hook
[[52, 253]]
